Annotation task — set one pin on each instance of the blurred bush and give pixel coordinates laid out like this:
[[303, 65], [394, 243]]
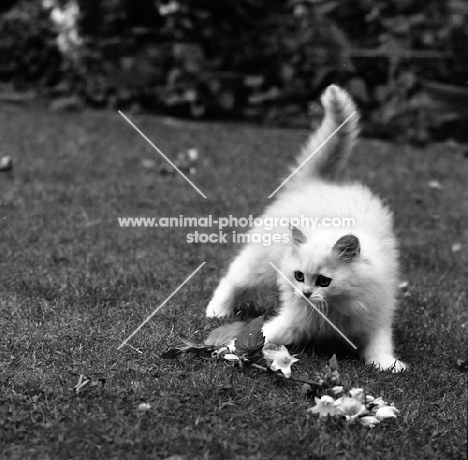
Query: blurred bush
[[28, 49], [260, 59]]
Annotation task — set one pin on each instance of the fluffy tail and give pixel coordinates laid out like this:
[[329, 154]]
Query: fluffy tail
[[330, 158]]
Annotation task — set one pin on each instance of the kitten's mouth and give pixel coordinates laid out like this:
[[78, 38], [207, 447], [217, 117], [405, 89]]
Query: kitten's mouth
[[320, 305]]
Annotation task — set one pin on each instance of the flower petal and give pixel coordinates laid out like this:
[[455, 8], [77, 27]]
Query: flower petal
[[358, 393], [386, 412], [324, 406], [350, 407], [337, 389], [281, 359], [231, 345], [286, 371], [379, 402], [231, 357], [276, 353], [368, 420]]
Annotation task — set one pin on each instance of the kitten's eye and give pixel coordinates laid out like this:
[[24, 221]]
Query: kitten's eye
[[322, 281], [299, 276]]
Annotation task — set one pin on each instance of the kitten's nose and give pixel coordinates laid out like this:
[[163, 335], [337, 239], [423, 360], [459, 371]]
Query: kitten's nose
[[307, 293]]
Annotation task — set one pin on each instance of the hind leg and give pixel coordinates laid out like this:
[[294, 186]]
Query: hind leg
[[247, 272]]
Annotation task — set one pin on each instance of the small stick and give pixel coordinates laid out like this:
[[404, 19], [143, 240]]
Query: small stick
[[294, 379]]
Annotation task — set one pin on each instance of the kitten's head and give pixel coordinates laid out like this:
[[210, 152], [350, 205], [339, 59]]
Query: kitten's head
[[323, 267]]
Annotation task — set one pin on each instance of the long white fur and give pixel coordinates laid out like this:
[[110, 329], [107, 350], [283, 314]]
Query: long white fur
[[360, 300]]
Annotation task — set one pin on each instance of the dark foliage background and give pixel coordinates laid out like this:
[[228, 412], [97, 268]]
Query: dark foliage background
[[403, 60]]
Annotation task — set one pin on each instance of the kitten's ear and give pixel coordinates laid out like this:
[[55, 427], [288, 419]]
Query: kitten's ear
[[347, 247], [298, 236]]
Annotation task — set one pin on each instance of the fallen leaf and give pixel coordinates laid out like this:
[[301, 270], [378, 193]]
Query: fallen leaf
[[435, 184], [148, 163], [224, 334], [6, 163], [144, 407], [187, 347], [250, 339], [404, 285]]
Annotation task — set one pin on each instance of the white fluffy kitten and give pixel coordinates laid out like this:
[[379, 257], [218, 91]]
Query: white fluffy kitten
[[350, 274]]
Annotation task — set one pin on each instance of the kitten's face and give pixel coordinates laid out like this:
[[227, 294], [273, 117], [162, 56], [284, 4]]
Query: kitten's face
[[321, 270]]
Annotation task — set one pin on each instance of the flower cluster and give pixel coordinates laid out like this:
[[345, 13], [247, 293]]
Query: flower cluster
[[65, 17], [355, 406], [276, 356], [333, 398]]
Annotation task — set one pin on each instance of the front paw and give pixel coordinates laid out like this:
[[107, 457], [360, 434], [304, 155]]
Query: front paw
[[275, 332], [216, 310], [387, 363]]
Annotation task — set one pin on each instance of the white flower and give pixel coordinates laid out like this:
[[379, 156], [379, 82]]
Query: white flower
[[386, 412], [378, 402], [350, 407], [368, 420], [324, 406], [281, 360]]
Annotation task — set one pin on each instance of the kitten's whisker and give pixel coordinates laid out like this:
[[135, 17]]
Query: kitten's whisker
[[322, 305], [322, 301], [311, 313]]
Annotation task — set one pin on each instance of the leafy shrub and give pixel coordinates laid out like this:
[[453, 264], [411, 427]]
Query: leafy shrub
[[28, 48], [262, 59]]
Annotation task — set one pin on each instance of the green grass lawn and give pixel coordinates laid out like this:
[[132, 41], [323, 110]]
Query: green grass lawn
[[74, 285]]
